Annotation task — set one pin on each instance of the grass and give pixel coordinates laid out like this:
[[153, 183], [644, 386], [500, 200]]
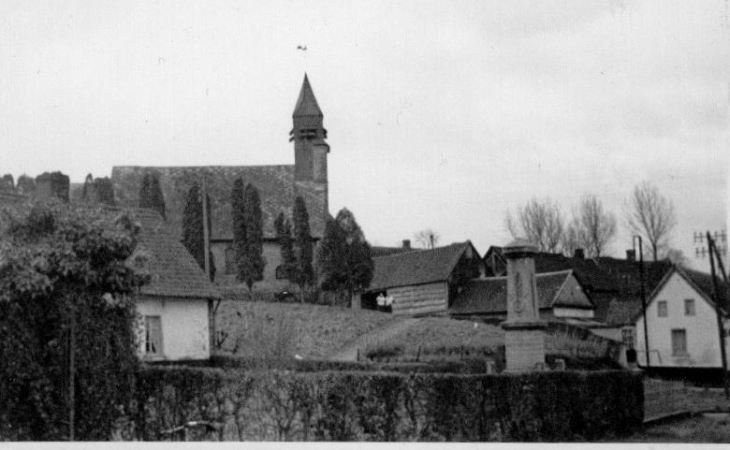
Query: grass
[[262, 329], [697, 429]]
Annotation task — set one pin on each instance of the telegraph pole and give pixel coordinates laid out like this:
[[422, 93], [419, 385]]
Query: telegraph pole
[[206, 259], [643, 297], [714, 253]]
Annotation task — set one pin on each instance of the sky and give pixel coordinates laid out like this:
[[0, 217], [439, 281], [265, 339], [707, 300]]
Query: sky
[[440, 115]]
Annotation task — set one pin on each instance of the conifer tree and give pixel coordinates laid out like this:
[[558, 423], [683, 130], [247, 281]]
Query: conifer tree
[[150, 195], [7, 181], [239, 224], [26, 185], [286, 244], [303, 273], [104, 191], [251, 264], [87, 192], [344, 258]]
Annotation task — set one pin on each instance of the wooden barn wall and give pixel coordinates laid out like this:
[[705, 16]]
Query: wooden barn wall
[[426, 298]]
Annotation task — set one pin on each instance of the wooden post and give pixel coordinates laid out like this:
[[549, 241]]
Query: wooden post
[[718, 312]]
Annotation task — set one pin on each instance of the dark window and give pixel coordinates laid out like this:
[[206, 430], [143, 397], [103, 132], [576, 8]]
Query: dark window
[[662, 308], [153, 336], [689, 307]]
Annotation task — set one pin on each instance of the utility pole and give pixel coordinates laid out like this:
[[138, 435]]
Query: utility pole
[[206, 259], [643, 296], [714, 253]]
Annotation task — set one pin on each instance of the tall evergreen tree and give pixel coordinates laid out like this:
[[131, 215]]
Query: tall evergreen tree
[[286, 244], [87, 192], [7, 181], [344, 258], [150, 195], [239, 223], [104, 191], [193, 230], [26, 185], [251, 262], [303, 272]]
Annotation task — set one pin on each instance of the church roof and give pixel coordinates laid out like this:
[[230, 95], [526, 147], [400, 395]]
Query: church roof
[[276, 185], [307, 104]]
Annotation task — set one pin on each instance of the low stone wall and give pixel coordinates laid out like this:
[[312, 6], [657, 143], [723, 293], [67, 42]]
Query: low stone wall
[[361, 406]]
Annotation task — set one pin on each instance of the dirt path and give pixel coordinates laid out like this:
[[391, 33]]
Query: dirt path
[[350, 352]]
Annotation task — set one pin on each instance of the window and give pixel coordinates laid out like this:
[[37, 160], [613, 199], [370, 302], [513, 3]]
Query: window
[[662, 308], [627, 336], [689, 307], [153, 336], [281, 272], [679, 342]]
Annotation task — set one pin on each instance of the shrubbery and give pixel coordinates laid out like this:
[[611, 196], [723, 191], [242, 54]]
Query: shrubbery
[[387, 406]]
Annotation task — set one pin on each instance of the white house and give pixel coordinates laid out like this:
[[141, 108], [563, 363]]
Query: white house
[[682, 322], [175, 308]]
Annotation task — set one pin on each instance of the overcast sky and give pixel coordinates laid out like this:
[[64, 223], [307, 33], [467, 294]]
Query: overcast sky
[[441, 114]]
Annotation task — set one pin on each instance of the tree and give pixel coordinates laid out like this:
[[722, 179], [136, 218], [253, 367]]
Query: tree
[[428, 238], [7, 181], [53, 185], [286, 244], [150, 194], [104, 190], [540, 222], [595, 228], [571, 240], [303, 272], [650, 215], [193, 230], [677, 257], [250, 256], [66, 275], [87, 192], [26, 185]]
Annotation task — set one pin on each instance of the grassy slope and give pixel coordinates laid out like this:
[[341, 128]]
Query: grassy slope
[[260, 329]]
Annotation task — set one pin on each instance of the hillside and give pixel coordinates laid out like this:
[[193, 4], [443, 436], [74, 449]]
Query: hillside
[[263, 329]]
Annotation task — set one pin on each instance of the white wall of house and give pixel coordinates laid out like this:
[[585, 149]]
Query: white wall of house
[[184, 327], [703, 349], [562, 311], [421, 299]]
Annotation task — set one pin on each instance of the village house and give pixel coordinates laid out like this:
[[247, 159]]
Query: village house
[[422, 281], [560, 297], [278, 186], [176, 308], [682, 322]]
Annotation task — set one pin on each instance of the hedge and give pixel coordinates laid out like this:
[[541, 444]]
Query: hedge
[[388, 406]]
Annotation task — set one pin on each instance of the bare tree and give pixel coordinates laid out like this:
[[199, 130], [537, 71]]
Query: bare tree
[[540, 222], [650, 215], [428, 238], [677, 257], [571, 239], [595, 227]]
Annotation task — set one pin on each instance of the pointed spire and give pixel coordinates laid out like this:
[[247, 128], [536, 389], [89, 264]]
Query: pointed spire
[[307, 103]]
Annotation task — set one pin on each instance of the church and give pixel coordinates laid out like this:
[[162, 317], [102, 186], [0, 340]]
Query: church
[[278, 186]]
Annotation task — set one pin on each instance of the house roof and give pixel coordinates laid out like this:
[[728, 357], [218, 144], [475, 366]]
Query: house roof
[[173, 270], [417, 266], [378, 251], [489, 295], [276, 185], [701, 282]]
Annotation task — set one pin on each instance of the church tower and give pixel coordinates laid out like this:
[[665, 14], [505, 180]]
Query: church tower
[[308, 134]]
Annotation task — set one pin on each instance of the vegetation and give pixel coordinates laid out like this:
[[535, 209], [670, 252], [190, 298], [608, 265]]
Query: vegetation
[[150, 194], [651, 215], [193, 229], [286, 245], [248, 234], [303, 272], [67, 334], [8, 181], [57, 184], [25, 185], [540, 222], [99, 190], [427, 238], [591, 229], [344, 260]]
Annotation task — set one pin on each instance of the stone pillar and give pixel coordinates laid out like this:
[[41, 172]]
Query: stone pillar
[[524, 332]]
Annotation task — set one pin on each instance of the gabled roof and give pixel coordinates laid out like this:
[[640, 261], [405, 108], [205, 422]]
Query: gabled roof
[[417, 266], [701, 282], [306, 103], [378, 251], [489, 295], [276, 185], [173, 270]]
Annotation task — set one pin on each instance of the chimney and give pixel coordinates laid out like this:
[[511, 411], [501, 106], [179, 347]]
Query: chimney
[[631, 255], [406, 244], [579, 253]]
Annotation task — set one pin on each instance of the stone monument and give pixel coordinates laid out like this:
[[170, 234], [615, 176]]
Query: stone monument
[[524, 332]]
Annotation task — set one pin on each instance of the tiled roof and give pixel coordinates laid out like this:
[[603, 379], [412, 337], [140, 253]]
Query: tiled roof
[[416, 267], [627, 276], [276, 186], [173, 270], [489, 295], [377, 251]]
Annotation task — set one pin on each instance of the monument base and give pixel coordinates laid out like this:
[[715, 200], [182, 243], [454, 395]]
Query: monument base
[[524, 344]]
